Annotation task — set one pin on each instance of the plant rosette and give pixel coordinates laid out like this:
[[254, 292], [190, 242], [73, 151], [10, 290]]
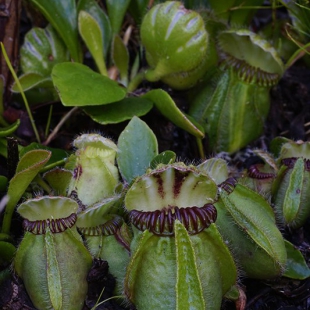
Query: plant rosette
[[233, 106], [51, 259], [179, 259], [290, 189], [176, 44], [95, 175]]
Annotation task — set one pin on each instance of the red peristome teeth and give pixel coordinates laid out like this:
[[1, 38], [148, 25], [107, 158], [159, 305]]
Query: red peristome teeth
[[229, 185], [108, 228], [161, 222], [254, 173], [55, 225], [290, 162]]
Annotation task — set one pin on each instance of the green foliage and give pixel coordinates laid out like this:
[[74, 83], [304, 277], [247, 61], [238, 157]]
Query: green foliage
[[91, 33], [9, 130], [28, 167], [119, 111], [137, 147], [76, 83], [92, 8], [62, 16], [116, 61], [165, 104]]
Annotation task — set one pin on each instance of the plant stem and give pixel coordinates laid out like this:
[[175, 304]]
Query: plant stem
[[53, 165], [135, 82], [56, 129], [43, 184], [298, 54], [21, 91], [200, 148], [48, 121], [6, 237]]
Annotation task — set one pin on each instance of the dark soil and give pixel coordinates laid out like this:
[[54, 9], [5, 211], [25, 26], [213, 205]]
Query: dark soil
[[289, 116]]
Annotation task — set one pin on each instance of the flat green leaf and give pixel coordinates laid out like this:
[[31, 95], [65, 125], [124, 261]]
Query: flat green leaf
[[57, 155], [63, 17], [296, 266], [166, 158], [7, 251], [78, 85], [28, 167], [292, 198], [137, 9], [91, 33], [165, 104], [137, 147], [31, 80], [120, 111], [92, 7], [59, 179], [42, 49], [9, 130], [135, 67], [120, 57], [116, 11], [276, 145], [30, 161]]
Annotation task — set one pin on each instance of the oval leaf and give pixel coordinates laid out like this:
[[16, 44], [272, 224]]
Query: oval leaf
[[296, 266], [57, 155], [166, 158], [31, 80], [78, 85], [119, 111], [120, 57], [117, 10], [59, 179], [137, 9], [91, 33], [63, 17], [137, 147], [165, 104], [28, 167], [92, 7], [42, 49]]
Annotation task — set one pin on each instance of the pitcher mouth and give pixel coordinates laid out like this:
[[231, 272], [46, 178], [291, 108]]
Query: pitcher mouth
[[290, 162], [39, 227], [161, 222], [110, 227], [248, 73]]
